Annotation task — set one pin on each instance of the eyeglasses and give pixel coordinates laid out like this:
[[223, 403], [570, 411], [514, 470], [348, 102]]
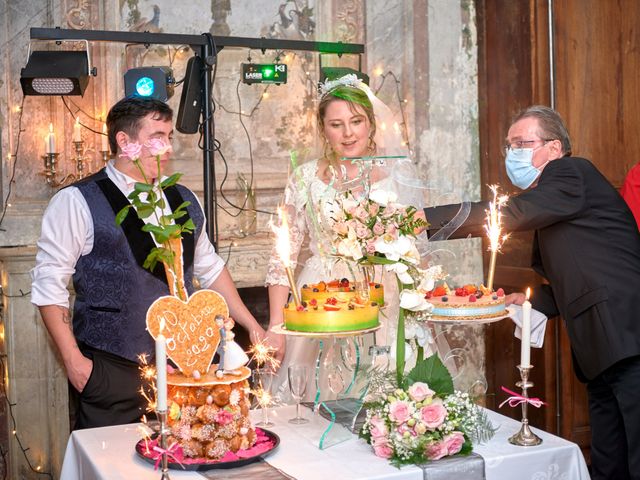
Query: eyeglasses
[[522, 144]]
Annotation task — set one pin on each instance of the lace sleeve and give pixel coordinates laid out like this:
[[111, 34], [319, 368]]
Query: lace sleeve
[[294, 207]]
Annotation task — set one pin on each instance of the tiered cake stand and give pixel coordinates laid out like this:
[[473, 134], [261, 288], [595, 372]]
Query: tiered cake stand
[[341, 373]]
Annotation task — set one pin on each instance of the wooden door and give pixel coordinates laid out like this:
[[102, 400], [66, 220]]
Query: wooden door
[[596, 86]]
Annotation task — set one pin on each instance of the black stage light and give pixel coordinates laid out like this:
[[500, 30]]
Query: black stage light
[[188, 119], [149, 82], [56, 72]]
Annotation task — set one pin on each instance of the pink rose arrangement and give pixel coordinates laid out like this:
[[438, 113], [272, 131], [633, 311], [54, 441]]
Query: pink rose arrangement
[[374, 226], [149, 204], [424, 419]]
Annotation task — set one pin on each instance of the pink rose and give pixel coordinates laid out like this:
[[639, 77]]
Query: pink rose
[[435, 450], [419, 391], [389, 211], [362, 231], [131, 151], [399, 411], [371, 247], [157, 146], [377, 427], [378, 228], [433, 415], [453, 442], [374, 208], [361, 214], [382, 447]]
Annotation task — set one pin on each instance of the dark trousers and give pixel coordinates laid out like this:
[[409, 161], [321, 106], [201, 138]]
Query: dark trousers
[[112, 393], [614, 410]]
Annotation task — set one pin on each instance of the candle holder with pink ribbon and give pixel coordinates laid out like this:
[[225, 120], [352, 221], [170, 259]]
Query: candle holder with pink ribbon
[[525, 437]]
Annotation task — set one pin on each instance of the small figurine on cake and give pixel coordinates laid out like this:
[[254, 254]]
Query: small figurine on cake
[[232, 357]]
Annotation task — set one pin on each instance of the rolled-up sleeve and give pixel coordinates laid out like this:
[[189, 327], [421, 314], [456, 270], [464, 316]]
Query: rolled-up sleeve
[[67, 233]]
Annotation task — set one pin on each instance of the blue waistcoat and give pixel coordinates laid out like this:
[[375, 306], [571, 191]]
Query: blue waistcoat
[[113, 291]]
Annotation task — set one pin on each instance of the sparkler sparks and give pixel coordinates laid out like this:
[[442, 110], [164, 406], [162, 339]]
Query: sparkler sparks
[[262, 353], [148, 387], [283, 248], [493, 227]]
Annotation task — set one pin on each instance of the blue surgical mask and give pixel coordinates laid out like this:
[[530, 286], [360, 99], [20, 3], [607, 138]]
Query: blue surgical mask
[[520, 170]]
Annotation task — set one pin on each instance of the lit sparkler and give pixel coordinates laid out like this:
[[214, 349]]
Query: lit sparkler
[[283, 248], [493, 228], [262, 353], [148, 387]]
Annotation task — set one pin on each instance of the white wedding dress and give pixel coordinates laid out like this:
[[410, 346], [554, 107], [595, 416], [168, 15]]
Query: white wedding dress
[[304, 195]]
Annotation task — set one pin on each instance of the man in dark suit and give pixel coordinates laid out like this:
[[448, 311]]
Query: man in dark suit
[[587, 246]]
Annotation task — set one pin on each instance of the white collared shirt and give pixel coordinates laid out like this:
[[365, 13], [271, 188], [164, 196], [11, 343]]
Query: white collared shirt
[[67, 234]]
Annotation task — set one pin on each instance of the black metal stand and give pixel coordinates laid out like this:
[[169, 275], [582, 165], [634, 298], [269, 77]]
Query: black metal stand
[[209, 46]]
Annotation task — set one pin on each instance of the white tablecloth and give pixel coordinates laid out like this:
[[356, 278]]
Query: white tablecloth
[[108, 453]]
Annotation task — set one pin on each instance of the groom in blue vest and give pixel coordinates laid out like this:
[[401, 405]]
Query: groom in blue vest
[[101, 344]]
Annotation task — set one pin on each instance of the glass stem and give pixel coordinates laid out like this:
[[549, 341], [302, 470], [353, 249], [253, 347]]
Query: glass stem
[[298, 410], [265, 415]]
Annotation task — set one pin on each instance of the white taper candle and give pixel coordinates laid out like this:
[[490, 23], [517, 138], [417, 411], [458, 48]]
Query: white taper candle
[[161, 373], [525, 351]]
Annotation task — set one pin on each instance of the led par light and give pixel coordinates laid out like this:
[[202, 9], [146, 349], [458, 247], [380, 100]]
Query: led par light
[[56, 72]]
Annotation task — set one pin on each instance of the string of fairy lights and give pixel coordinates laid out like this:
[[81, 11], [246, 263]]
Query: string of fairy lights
[[37, 469]]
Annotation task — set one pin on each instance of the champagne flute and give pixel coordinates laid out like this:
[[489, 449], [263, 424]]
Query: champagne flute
[[298, 378], [262, 389]]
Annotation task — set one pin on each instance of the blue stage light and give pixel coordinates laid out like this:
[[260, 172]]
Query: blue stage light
[[149, 82], [145, 87]]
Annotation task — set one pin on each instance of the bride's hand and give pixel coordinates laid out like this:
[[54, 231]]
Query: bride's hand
[[277, 342], [420, 214]]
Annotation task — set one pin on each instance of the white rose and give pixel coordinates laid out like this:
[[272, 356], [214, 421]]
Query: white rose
[[382, 197]]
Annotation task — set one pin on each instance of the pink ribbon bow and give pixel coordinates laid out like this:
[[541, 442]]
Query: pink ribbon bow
[[515, 399], [174, 452]]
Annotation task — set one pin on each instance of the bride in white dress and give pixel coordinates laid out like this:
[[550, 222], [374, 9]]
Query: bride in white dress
[[351, 121]]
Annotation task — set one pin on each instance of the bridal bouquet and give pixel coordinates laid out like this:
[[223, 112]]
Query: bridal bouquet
[[424, 419], [379, 230], [374, 226]]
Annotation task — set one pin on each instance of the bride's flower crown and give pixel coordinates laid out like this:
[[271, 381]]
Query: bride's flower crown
[[349, 80]]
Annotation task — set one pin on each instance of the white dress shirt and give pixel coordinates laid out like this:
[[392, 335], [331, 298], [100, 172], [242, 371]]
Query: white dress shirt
[[67, 234]]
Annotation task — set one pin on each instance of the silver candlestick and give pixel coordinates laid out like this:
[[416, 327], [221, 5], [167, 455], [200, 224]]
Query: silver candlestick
[[50, 171], [164, 431], [79, 150], [105, 156], [525, 437]]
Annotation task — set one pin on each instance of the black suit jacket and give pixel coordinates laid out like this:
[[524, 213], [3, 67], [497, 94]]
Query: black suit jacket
[[587, 246]]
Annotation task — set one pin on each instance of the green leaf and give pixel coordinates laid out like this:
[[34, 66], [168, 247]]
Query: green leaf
[[152, 259], [140, 187], [175, 215], [375, 260], [188, 226], [145, 211], [122, 214], [170, 181], [431, 371], [183, 205]]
